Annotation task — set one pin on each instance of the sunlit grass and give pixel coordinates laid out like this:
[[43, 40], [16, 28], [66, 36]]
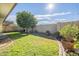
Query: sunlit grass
[[30, 45]]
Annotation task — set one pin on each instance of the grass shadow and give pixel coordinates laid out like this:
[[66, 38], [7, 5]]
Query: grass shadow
[[16, 35], [44, 35]]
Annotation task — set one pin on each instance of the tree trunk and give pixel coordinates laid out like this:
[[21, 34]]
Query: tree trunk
[[32, 29], [26, 30]]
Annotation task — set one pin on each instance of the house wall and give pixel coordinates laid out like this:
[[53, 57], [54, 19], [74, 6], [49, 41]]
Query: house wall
[[54, 27], [1, 24], [10, 27], [43, 28]]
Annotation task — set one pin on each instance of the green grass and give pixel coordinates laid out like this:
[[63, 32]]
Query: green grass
[[30, 45]]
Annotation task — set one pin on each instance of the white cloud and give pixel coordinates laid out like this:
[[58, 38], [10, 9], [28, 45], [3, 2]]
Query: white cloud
[[61, 20], [51, 15], [48, 17], [43, 18]]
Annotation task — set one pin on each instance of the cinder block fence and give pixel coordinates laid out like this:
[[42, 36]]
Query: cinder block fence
[[41, 28]]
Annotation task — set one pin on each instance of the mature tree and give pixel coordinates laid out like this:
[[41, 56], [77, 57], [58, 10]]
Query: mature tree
[[33, 25], [25, 20]]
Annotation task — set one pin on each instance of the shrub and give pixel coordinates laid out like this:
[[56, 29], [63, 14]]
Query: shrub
[[77, 36], [69, 31], [36, 31], [48, 32]]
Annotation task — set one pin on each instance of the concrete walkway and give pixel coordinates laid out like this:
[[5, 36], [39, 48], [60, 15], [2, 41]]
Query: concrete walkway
[[61, 49], [5, 41]]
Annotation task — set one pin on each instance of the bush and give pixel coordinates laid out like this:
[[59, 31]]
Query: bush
[[48, 33], [69, 31], [36, 31], [77, 36]]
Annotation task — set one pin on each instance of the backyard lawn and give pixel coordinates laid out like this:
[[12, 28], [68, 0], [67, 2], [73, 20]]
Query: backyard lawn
[[30, 45]]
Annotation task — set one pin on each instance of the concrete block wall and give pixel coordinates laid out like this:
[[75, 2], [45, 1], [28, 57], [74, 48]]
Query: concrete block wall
[[49, 27], [54, 27]]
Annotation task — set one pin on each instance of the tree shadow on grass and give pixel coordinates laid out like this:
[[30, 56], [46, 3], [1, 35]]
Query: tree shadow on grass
[[44, 35], [15, 36]]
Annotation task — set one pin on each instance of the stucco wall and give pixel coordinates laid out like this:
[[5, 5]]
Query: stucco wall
[[54, 27], [43, 28]]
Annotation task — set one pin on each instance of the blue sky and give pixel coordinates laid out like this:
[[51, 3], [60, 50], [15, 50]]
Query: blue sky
[[47, 15]]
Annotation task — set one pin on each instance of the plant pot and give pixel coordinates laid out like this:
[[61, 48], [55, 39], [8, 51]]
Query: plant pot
[[68, 45]]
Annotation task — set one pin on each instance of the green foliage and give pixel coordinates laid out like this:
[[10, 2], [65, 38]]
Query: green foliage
[[72, 54], [69, 31], [25, 19]]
